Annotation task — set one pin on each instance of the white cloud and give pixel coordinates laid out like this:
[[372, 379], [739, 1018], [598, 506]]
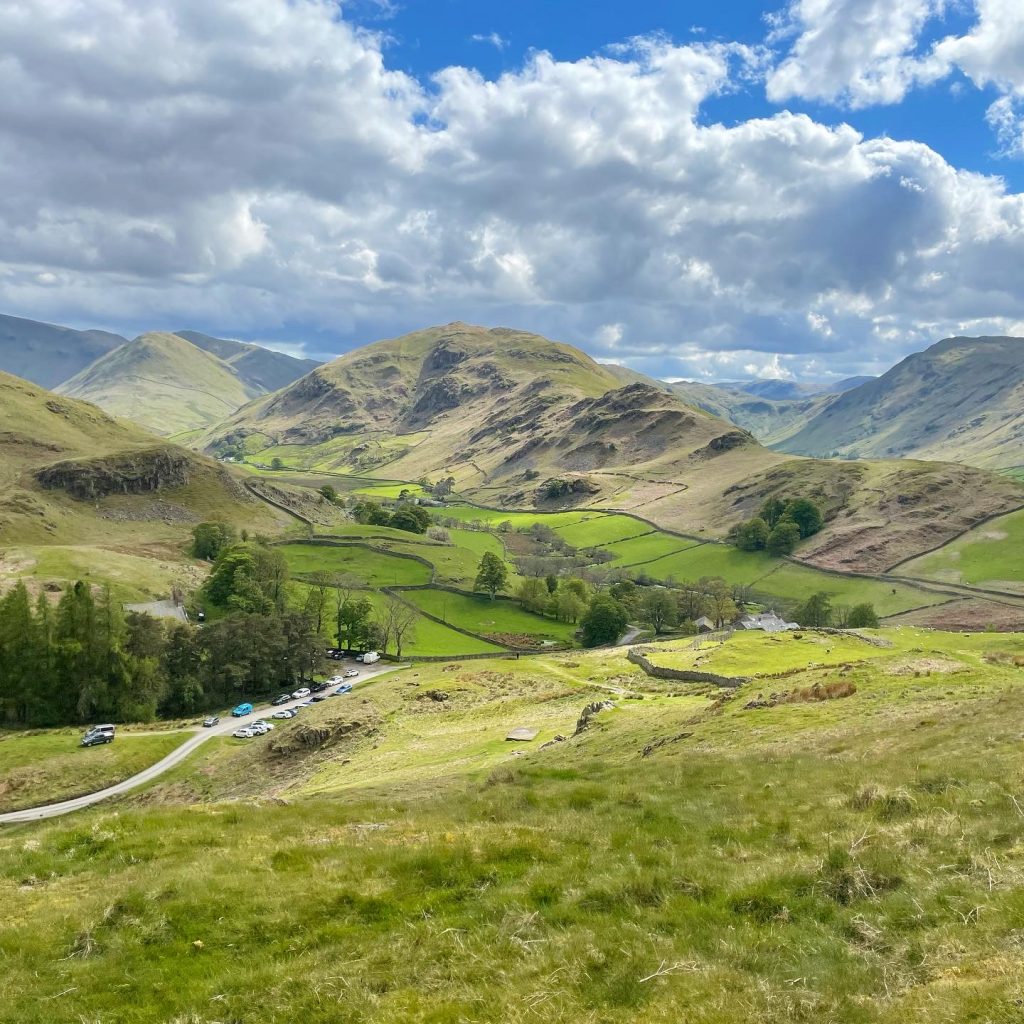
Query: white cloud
[[769, 369], [493, 38], [857, 51], [253, 165]]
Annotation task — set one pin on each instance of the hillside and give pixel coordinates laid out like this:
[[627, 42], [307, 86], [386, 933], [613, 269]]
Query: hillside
[[85, 494], [522, 422], [48, 354], [962, 399], [164, 383], [260, 368], [833, 841]]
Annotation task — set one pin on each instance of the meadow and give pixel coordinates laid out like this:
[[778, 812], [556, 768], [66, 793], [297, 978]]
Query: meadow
[[479, 614], [990, 556], [373, 568], [853, 861], [50, 765]]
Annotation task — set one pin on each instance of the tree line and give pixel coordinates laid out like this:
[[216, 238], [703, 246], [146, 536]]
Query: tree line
[[85, 660]]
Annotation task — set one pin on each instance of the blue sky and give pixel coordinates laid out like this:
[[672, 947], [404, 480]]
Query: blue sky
[[706, 190]]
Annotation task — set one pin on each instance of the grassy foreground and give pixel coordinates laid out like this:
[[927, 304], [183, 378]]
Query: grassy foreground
[[684, 858]]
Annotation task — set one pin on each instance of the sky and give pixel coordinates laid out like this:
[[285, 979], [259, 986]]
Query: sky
[[698, 190]]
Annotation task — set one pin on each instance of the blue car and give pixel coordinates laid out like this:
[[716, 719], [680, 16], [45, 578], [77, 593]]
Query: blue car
[[344, 688], [242, 710]]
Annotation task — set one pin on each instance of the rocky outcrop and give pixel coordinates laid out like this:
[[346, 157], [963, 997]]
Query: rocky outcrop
[[136, 472], [594, 708]]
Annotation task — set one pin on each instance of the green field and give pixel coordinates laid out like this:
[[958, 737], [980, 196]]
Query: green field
[[373, 568], [648, 548], [847, 861], [989, 556], [479, 614], [754, 653], [45, 767], [602, 530], [434, 639], [519, 520]]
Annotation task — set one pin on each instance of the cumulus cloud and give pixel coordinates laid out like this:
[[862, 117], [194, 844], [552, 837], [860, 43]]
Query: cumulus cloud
[[499, 42], [255, 164], [858, 51]]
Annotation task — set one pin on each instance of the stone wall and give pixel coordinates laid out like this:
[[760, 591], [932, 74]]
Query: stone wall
[[683, 675]]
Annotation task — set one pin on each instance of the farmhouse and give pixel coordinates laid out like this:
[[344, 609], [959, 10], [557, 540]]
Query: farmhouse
[[768, 621], [704, 625]]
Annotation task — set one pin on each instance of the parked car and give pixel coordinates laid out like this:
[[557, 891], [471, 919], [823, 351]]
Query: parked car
[[331, 652], [352, 673], [316, 698], [344, 688], [200, 616], [317, 687], [359, 657], [337, 655], [245, 733], [98, 734], [241, 710], [370, 658], [209, 723], [333, 681], [283, 699], [302, 691], [283, 715]]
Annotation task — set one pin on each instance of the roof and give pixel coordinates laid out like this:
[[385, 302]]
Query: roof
[[767, 621]]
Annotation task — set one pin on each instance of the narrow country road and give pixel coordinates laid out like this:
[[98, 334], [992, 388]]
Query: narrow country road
[[629, 636], [176, 756]]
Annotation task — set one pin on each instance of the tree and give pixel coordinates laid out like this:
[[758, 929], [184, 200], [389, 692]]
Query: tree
[[209, 539], [604, 622], [398, 623], [752, 535], [784, 538], [491, 575], [410, 518], [440, 534], [532, 595], [369, 512], [551, 582], [328, 492], [660, 609], [772, 511], [863, 616], [806, 515], [816, 611], [568, 605], [353, 619], [276, 463]]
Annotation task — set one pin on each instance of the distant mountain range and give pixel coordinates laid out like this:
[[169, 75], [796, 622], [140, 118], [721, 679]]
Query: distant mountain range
[[962, 399], [167, 382], [47, 354]]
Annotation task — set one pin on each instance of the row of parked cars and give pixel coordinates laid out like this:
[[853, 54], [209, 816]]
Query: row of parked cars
[[337, 685]]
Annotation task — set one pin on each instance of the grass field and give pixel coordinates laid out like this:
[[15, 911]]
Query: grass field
[[436, 640], [48, 766], [456, 562], [989, 556], [648, 548], [519, 520], [373, 568], [748, 654], [479, 614], [601, 530], [850, 861]]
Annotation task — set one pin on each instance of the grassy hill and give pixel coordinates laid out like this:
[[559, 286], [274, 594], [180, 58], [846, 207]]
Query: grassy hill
[[86, 496], [46, 353], [164, 383], [961, 399], [519, 421], [838, 843]]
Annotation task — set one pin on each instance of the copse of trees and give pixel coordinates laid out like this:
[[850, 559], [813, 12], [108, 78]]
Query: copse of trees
[[779, 526], [209, 539], [407, 516], [84, 660]]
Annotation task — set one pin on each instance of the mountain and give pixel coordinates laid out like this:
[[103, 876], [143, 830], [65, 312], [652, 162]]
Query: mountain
[[70, 474], [767, 419], [47, 354], [164, 383], [522, 422], [259, 367], [962, 399]]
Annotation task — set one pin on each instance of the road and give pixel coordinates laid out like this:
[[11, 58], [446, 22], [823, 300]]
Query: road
[[226, 726]]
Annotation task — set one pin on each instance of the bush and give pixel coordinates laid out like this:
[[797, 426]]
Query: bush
[[604, 622], [863, 616]]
